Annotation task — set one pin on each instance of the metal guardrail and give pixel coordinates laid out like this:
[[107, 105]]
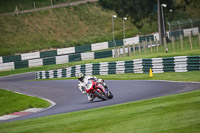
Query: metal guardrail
[[54, 60]]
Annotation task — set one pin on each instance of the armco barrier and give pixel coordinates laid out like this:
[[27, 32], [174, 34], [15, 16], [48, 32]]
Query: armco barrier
[[54, 60], [7, 66], [158, 65], [193, 31], [59, 52], [134, 40], [73, 50], [81, 49], [1, 60], [146, 38], [11, 58]]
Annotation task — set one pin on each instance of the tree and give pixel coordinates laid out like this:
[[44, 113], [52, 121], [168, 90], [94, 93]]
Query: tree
[[139, 11], [190, 7], [136, 10]]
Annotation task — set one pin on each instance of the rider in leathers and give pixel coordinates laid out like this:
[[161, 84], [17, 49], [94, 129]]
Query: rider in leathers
[[83, 80]]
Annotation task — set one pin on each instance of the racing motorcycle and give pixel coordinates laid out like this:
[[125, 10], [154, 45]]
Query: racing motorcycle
[[98, 90]]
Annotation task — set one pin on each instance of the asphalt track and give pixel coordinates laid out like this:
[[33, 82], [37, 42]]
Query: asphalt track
[[68, 98]]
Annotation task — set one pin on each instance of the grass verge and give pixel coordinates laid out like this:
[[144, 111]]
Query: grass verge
[[174, 114], [172, 76], [12, 102]]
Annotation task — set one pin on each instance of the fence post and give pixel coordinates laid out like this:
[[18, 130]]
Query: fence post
[[139, 48], [16, 11], [144, 45], [181, 42], [173, 43], [116, 49], [151, 44], [190, 39], [165, 43], [51, 2], [129, 53], [156, 45], [133, 49], [124, 51], [119, 52], [199, 40], [68, 2], [115, 52], [34, 6]]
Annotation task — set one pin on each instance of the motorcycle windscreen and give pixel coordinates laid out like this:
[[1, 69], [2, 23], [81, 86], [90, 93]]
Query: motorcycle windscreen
[[89, 85]]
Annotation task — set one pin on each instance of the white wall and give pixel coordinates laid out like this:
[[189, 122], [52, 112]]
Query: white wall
[[7, 66], [1, 60], [99, 46], [28, 56], [35, 62], [62, 59], [66, 50], [87, 56]]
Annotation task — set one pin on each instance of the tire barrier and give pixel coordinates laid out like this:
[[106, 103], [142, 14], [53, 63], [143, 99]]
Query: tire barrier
[[158, 65]]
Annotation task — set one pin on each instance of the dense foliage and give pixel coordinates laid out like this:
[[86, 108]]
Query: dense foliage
[[142, 11]]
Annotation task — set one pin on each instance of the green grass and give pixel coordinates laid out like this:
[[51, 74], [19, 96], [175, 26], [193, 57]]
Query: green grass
[[174, 114], [12, 102], [172, 76], [10, 5], [186, 45], [62, 27]]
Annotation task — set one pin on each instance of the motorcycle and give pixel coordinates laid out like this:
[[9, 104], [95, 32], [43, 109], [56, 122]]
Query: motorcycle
[[98, 90]]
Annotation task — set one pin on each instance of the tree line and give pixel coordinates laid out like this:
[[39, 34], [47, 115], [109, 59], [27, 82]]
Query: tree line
[[142, 11], [148, 11]]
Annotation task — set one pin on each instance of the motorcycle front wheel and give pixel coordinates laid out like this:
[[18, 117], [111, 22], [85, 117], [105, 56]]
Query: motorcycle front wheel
[[110, 95]]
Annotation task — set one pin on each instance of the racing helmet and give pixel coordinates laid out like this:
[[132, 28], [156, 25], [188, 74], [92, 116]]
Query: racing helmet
[[81, 76]]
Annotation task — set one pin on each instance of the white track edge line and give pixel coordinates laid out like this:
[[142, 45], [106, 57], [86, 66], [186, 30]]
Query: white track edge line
[[16, 74]]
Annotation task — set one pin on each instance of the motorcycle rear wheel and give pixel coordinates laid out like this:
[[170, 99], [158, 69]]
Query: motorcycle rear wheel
[[100, 95]]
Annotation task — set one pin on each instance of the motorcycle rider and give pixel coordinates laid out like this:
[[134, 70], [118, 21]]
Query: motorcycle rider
[[83, 80]]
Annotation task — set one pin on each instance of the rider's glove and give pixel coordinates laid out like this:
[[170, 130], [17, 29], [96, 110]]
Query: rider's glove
[[83, 90]]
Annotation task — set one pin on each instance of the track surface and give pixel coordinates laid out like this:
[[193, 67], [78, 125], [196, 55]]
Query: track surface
[[68, 98]]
